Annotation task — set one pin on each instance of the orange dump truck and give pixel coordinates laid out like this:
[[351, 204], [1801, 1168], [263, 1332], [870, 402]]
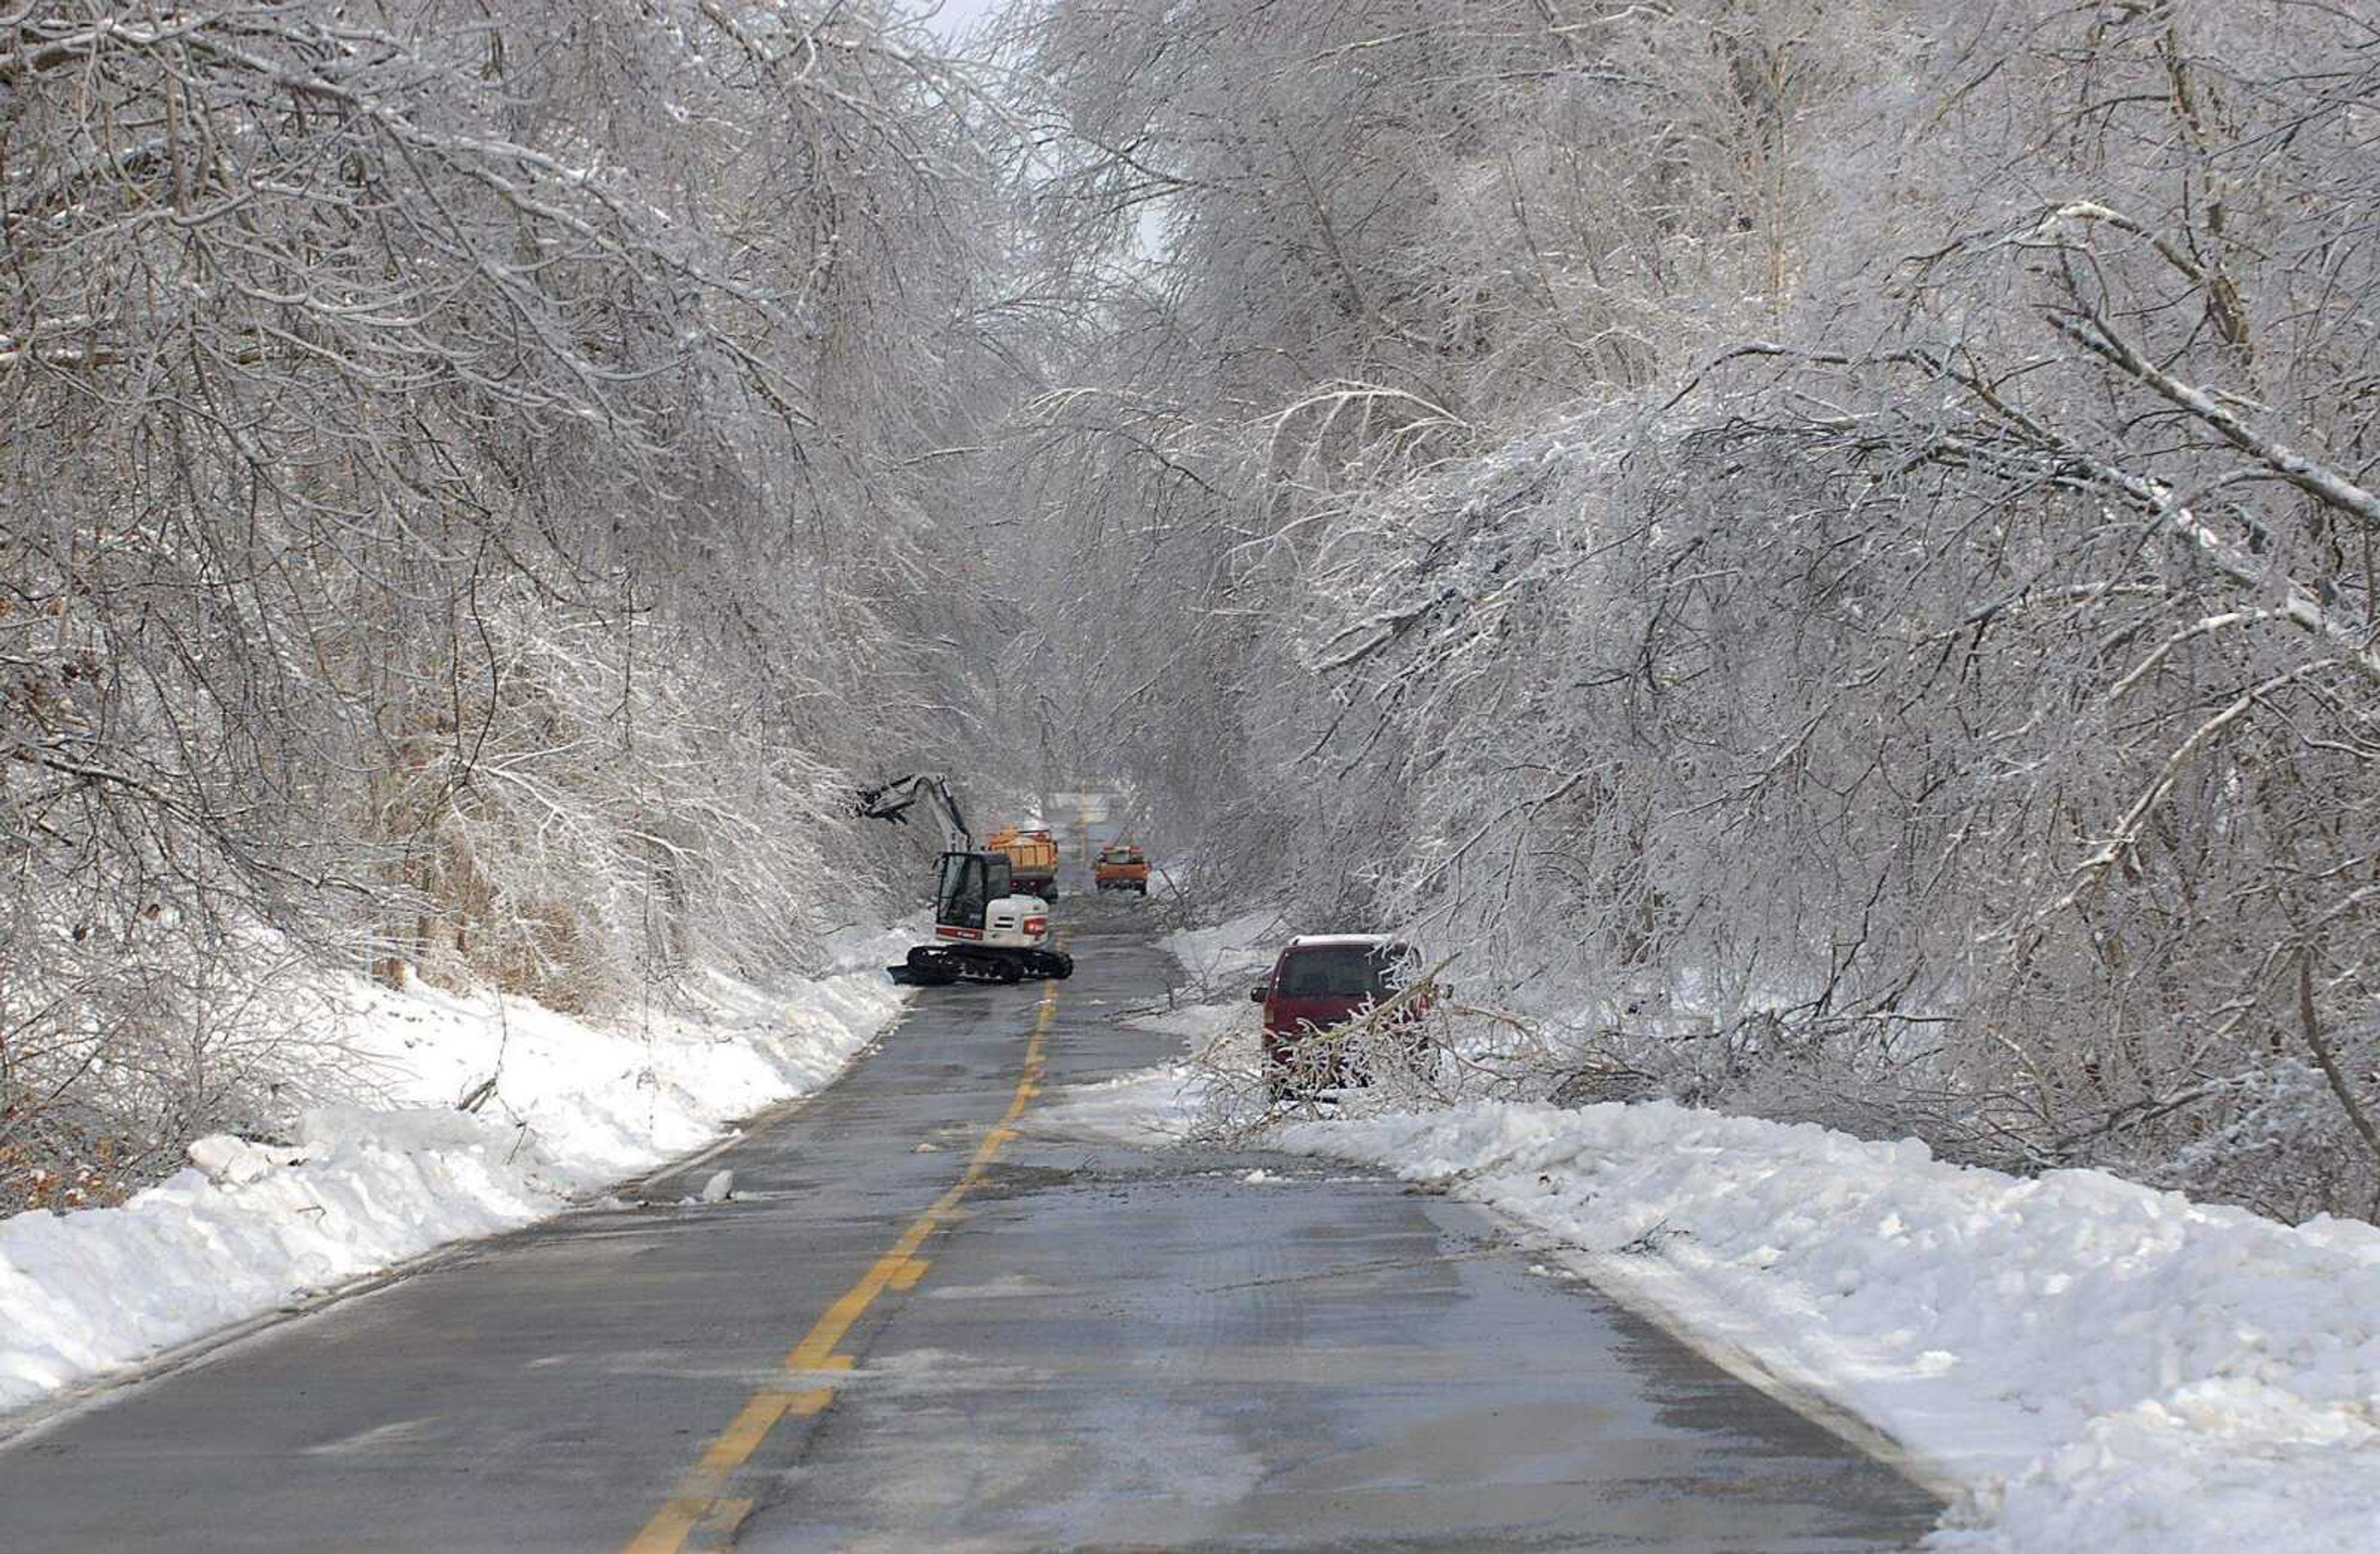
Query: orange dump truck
[[1032, 860], [1121, 866]]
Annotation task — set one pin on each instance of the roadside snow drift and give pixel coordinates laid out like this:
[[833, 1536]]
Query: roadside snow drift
[[562, 1110], [2099, 1366]]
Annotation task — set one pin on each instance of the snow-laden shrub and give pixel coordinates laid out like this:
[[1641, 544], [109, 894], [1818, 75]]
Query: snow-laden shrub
[[610, 815]]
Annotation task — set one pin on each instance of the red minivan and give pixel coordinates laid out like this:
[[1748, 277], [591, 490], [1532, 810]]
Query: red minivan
[[1321, 980]]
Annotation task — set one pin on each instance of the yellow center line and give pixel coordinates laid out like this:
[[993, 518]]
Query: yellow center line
[[700, 1503]]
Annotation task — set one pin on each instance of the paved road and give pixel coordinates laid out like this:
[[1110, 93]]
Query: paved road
[[916, 1328]]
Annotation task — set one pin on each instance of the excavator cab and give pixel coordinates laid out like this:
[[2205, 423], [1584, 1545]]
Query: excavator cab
[[970, 884], [984, 932]]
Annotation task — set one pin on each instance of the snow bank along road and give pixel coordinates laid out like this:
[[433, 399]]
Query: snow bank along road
[[919, 1321], [560, 1110]]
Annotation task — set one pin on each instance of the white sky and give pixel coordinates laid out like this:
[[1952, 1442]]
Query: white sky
[[957, 16]]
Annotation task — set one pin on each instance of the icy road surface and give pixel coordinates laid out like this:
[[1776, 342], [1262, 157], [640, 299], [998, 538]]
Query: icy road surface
[[995, 1338]]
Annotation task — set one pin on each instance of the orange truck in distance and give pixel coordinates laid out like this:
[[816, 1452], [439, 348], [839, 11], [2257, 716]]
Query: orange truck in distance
[[1121, 866], [1032, 860]]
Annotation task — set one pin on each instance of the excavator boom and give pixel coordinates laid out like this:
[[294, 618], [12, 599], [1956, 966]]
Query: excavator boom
[[895, 799]]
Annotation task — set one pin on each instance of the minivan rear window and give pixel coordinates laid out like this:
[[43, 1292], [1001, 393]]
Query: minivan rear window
[[1345, 971]]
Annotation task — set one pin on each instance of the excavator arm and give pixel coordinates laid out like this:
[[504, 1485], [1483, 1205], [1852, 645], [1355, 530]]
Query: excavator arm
[[895, 799]]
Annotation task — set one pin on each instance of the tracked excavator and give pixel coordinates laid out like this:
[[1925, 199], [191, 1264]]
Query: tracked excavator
[[984, 930]]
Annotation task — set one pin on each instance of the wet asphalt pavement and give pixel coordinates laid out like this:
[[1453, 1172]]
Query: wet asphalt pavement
[[1094, 1346]]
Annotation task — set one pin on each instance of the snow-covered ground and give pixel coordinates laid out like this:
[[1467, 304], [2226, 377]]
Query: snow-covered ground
[[2086, 1364], [1151, 1109], [358, 1186]]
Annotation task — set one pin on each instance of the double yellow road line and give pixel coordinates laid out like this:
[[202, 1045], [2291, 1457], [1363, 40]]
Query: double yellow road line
[[804, 1388]]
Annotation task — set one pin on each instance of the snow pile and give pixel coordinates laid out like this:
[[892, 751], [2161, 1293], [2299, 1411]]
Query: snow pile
[[1154, 1107], [557, 1109], [2099, 1364], [1165, 1105]]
